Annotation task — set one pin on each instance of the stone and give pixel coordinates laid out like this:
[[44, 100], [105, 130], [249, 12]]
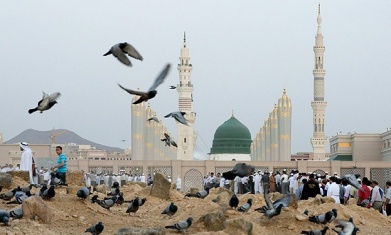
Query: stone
[[5, 180], [214, 221], [161, 187], [239, 226], [141, 231], [102, 188], [75, 178], [35, 206], [301, 217], [72, 189]]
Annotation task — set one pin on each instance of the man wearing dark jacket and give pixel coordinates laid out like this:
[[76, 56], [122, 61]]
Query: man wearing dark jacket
[[311, 188]]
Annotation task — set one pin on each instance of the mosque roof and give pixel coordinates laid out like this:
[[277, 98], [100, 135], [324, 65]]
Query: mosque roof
[[232, 137]]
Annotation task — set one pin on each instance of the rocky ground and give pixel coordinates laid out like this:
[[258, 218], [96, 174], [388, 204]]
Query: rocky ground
[[70, 215]]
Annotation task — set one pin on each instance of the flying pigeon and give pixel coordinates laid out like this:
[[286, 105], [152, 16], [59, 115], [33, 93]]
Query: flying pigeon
[[352, 179], [83, 193], [95, 229], [49, 193], [120, 51], [324, 218], [172, 87], [347, 227], [200, 194], [174, 144], [316, 232], [178, 116], [105, 203], [4, 217], [154, 118], [182, 225], [144, 96], [246, 206], [234, 201], [167, 139], [46, 102], [170, 209], [133, 206], [17, 213], [240, 169], [285, 201]]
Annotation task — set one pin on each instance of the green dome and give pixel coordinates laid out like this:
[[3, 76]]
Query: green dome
[[232, 137]]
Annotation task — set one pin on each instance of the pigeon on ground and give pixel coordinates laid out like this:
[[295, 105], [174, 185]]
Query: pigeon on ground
[[120, 51], [114, 190], [95, 229], [347, 227], [46, 102], [172, 87], [105, 203], [154, 118], [42, 189], [324, 218], [285, 201], [8, 195], [246, 206], [182, 225], [234, 201], [16, 213], [316, 232], [200, 194], [83, 193], [55, 179], [120, 199], [240, 169], [352, 179], [133, 206], [141, 201], [144, 96], [49, 193], [4, 217], [170, 209], [178, 116], [20, 196], [1, 188]]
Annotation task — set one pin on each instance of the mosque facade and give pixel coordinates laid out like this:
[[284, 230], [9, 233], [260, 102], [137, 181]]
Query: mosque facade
[[273, 140]]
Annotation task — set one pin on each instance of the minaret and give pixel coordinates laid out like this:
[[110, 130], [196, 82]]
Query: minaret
[[284, 111], [138, 120], [186, 135], [318, 139], [274, 153]]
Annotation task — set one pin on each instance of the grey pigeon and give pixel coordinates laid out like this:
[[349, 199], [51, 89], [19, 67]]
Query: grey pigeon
[[240, 169], [182, 225], [178, 116], [144, 96], [4, 217], [234, 201], [46, 102], [105, 203], [19, 197], [17, 213], [42, 189], [133, 206], [95, 229], [141, 201], [170, 209], [347, 227], [246, 206], [120, 51], [154, 118], [200, 194], [172, 87], [352, 179], [324, 218], [8, 195], [270, 210], [83, 193], [285, 201], [316, 232]]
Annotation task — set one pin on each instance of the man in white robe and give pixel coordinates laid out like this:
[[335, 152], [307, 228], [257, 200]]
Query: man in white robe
[[26, 160], [178, 183]]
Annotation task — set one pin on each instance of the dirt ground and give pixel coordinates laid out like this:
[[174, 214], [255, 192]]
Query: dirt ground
[[72, 215]]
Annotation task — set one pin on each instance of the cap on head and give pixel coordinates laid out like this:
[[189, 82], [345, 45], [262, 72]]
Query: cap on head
[[23, 145]]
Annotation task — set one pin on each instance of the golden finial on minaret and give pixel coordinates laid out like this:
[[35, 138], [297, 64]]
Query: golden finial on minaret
[[284, 92], [319, 9], [232, 115], [275, 105]]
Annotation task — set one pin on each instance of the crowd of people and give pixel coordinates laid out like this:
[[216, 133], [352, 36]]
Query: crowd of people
[[307, 185]]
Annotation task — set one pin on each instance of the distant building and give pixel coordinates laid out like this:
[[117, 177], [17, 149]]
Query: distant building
[[361, 147], [232, 141]]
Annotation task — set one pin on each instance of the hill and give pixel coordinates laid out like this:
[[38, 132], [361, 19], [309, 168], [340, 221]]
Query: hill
[[64, 137]]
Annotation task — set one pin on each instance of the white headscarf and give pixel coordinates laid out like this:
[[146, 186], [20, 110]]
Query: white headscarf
[[23, 145]]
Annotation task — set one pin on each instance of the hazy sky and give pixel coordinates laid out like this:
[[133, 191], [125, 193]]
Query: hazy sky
[[244, 53]]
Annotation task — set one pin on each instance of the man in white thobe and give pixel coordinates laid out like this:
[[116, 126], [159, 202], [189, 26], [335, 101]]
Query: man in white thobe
[[178, 183], [257, 183], [26, 160], [333, 190]]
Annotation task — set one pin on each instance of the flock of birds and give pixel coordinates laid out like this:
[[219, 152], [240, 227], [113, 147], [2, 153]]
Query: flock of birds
[[115, 197], [121, 51]]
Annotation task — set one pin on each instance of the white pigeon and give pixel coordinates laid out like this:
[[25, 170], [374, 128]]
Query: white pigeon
[[46, 102], [120, 51]]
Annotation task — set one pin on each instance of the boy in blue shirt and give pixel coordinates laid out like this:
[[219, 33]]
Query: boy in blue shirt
[[61, 165]]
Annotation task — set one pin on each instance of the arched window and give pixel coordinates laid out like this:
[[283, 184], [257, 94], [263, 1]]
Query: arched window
[[184, 140]]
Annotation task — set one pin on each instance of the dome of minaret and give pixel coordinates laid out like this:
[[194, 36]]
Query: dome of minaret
[[232, 137], [284, 101]]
